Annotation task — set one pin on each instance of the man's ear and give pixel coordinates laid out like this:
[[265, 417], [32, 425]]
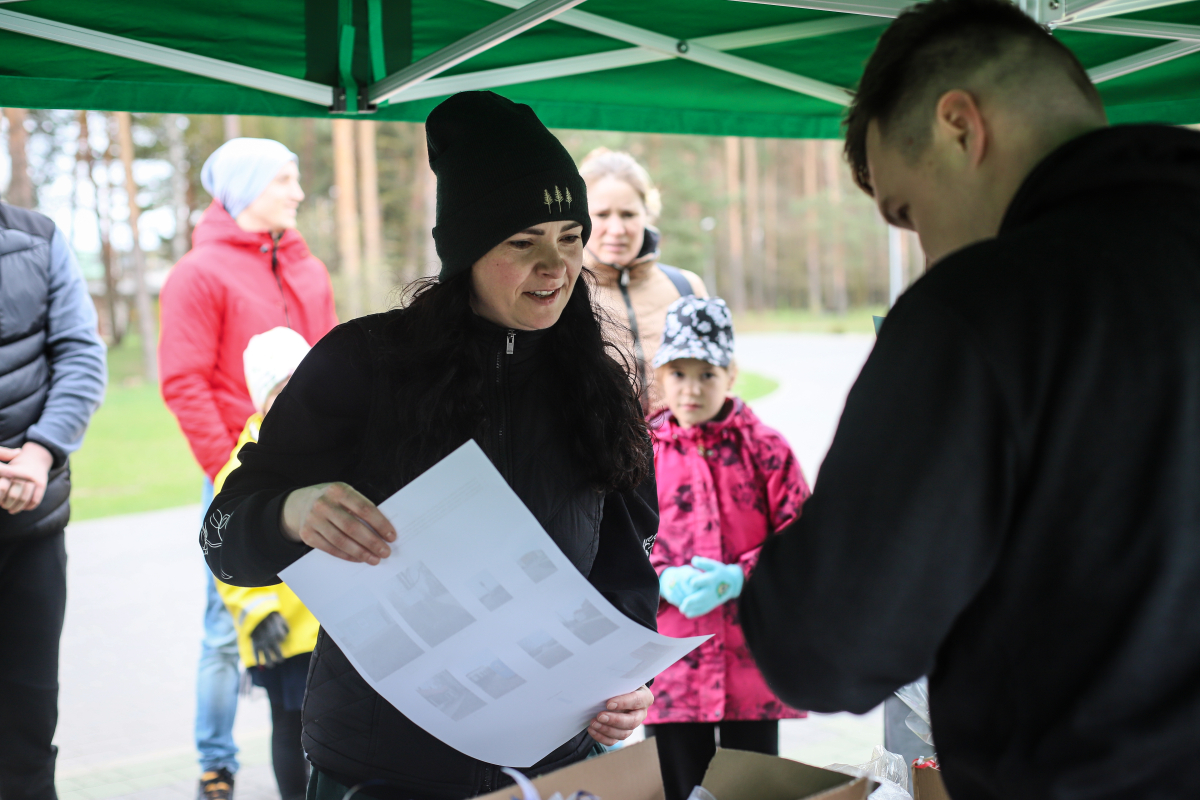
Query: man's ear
[[959, 122]]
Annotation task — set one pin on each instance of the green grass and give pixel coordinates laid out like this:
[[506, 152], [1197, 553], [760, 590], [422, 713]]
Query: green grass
[[134, 457], [750, 386], [856, 320]]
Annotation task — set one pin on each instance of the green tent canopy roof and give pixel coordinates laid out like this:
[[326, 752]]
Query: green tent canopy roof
[[671, 66]]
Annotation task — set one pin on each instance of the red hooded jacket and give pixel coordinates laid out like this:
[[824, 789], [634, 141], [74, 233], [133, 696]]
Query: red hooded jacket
[[231, 285]]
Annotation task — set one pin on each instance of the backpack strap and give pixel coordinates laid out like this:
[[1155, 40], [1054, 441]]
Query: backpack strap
[[680, 281]]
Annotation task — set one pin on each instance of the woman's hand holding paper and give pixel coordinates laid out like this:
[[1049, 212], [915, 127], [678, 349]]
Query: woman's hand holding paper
[[621, 716], [336, 519]]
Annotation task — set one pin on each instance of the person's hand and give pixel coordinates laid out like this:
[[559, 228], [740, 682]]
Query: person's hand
[[336, 519], [675, 583], [267, 639], [23, 478], [621, 715], [717, 584]]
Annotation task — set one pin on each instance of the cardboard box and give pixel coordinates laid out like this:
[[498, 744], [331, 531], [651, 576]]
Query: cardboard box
[[738, 775], [632, 773], [927, 785]]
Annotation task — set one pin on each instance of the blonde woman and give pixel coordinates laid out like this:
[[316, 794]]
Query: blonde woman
[[632, 288]]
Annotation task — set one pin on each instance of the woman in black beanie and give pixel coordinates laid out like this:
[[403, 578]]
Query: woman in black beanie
[[504, 347]]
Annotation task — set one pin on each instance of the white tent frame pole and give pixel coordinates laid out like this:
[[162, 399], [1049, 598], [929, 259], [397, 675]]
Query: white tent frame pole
[[158, 55], [527, 73], [1150, 58], [1135, 27], [1111, 8], [1093, 9], [871, 8], [630, 57], [481, 40], [679, 48]]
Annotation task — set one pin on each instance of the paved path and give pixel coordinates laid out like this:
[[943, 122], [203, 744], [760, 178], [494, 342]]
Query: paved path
[[135, 605], [815, 373]]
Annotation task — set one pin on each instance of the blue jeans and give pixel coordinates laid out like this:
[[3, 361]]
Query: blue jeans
[[217, 677]]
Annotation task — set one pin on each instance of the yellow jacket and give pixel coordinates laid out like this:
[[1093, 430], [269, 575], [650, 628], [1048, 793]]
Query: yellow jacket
[[250, 606]]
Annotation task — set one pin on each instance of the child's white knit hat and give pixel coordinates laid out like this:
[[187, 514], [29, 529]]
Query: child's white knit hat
[[270, 358]]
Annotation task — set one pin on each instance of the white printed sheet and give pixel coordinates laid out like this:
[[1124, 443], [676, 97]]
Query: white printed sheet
[[477, 627]]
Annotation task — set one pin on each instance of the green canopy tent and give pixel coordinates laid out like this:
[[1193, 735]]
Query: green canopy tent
[[672, 66]]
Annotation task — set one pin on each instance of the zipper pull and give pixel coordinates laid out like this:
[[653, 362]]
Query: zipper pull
[[625, 277], [512, 342]]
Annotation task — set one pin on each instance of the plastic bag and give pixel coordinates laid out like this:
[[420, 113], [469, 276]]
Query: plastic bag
[[916, 697], [700, 793], [530, 792], [885, 767]]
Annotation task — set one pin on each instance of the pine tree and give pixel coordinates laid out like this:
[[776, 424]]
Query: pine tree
[[558, 196], [569, 198], [547, 200]]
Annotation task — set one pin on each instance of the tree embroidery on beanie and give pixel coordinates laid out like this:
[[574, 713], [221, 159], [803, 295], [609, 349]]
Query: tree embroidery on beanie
[[569, 198], [547, 200], [558, 196]]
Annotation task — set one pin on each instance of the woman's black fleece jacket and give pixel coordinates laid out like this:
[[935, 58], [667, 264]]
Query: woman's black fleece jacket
[[319, 430]]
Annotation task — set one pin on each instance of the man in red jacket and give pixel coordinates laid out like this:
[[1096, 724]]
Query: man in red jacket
[[249, 270]]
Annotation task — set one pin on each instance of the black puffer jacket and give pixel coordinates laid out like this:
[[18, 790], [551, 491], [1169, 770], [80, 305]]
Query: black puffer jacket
[[318, 431]]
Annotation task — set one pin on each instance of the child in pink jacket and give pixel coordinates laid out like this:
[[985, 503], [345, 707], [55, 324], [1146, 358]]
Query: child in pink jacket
[[725, 483]]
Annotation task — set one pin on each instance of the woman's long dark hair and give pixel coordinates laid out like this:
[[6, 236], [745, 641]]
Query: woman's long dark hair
[[434, 381]]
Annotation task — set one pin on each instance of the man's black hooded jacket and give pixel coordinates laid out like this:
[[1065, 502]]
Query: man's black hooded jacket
[[1012, 500]]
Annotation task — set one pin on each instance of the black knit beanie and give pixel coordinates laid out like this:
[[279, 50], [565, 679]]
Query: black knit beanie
[[499, 171]]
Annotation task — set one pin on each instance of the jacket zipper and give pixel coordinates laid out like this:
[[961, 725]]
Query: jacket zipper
[[488, 781], [638, 354], [287, 319], [505, 454]]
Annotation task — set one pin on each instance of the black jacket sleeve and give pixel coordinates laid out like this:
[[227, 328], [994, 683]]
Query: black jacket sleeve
[[622, 571], [903, 529], [313, 434]]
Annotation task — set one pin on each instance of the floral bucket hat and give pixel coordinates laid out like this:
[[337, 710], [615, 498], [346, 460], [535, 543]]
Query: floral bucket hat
[[697, 327]]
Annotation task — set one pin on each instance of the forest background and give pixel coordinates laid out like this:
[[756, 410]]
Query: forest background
[[776, 227]]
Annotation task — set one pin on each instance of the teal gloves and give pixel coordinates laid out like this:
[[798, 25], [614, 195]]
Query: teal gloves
[[714, 585], [675, 583]]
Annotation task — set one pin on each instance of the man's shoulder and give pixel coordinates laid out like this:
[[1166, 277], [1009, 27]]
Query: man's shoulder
[[1000, 271], [27, 221]]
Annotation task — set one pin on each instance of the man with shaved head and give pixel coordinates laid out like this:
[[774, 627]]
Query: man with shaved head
[[1011, 504]]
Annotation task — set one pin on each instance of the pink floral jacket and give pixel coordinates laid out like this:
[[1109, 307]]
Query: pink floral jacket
[[723, 487]]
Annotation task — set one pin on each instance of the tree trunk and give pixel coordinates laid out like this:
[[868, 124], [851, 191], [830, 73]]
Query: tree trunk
[[838, 255], [349, 253], [308, 147], [104, 204], [771, 223], [415, 250], [372, 216], [737, 240], [145, 311], [177, 153], [20, 186], [715, 239], [754, 265], [812, 239], [233, 126]]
